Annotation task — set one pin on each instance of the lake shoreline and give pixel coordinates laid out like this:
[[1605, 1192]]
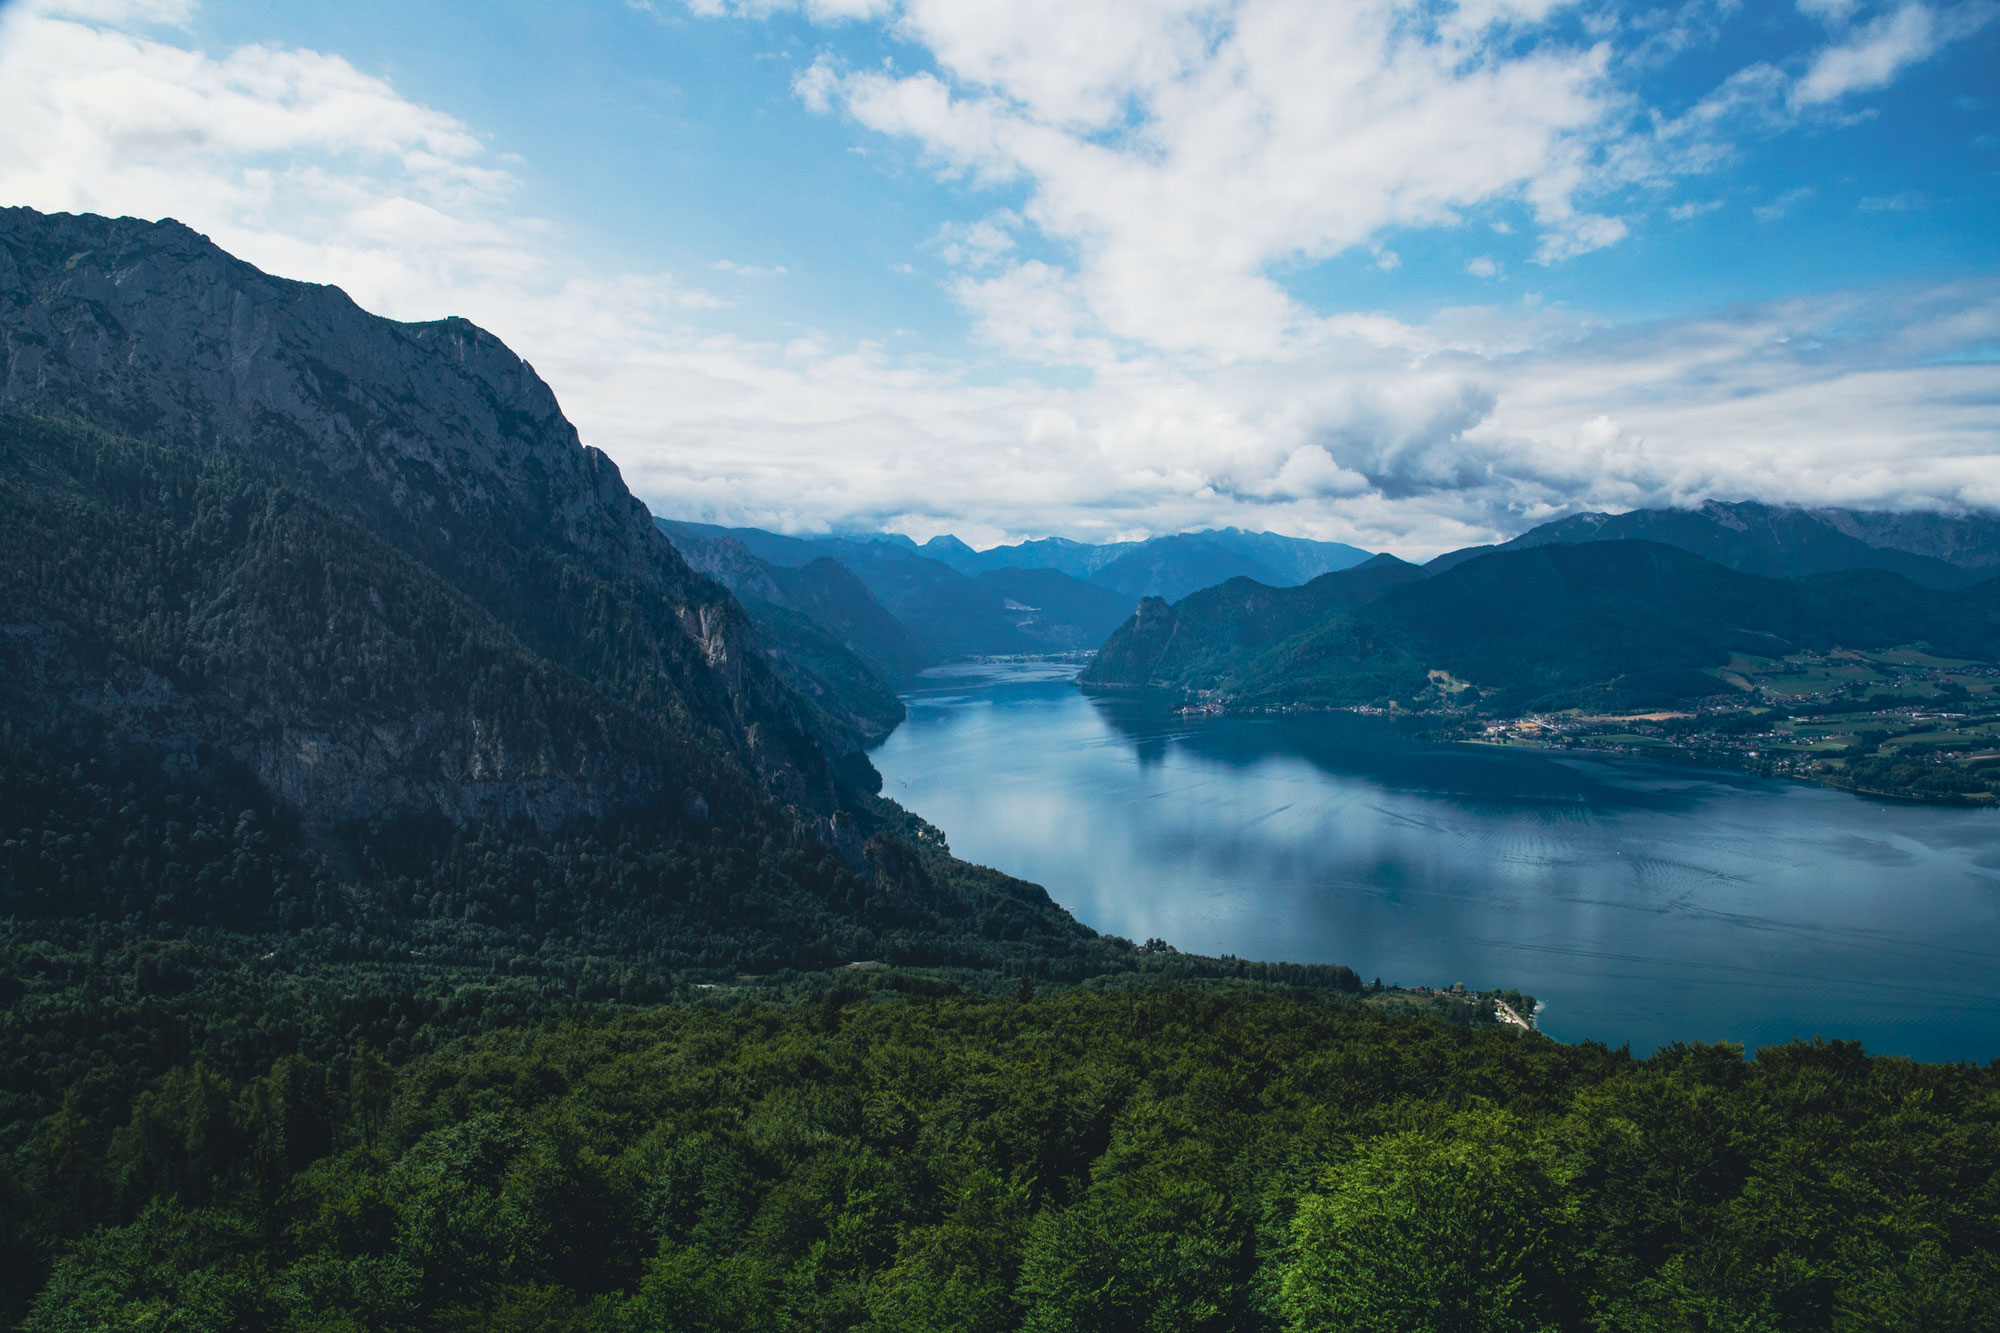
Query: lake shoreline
[[1640, 901]]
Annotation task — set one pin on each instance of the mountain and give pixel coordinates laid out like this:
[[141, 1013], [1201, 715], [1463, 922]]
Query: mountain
[[1193, 643], [1170, 566], [1049, 595], [1054, 611], [1624, 624], [1968, 540], [844, 648], [1783, 541], [835, 598], [314, 619], [945, 613], [999, 612]]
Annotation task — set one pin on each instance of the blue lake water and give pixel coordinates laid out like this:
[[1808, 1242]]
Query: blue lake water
[[1640, 902]]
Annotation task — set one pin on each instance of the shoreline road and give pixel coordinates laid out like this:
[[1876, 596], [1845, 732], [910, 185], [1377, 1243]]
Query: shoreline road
[[1505, 1013]]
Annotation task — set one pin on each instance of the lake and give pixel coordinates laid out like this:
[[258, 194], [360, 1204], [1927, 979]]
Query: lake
[[1640, 902]]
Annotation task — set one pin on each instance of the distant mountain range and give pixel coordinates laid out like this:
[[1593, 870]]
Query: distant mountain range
[[1170, 567], [1212, 601], [950, 601]]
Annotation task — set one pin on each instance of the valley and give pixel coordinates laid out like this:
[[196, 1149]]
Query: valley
[[436, 893], [884, 666]]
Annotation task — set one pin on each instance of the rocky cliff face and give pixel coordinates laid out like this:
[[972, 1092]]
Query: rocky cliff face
[[440, 442], [151, 330]]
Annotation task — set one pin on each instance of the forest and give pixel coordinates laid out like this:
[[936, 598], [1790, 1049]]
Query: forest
[[889, 1150]]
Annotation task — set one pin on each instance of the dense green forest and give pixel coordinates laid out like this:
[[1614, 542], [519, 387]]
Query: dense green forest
[[894, 1152]]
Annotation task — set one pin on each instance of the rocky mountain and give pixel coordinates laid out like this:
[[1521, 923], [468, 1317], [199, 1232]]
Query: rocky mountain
[[313, 618], [433, 438], [1968, 540], [838, 645], [1784, 541]]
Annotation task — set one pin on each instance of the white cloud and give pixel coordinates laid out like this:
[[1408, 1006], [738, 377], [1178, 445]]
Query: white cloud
[[1178, 149], [1483, 267], [1833, 13], [1872, 57], [1783, 204], [1874, 54], [1238, 407], [748, 270], [1693, 208], [979, 244], [821, 11], [1579, 234]]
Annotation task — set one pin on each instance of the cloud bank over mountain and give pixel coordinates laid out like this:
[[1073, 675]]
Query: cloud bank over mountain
[[1161, 213]]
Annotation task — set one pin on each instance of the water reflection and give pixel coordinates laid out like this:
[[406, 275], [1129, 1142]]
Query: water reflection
[[1643, 902]]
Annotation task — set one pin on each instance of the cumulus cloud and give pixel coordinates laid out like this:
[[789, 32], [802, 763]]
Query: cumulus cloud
[[1181, 148], [1165, 174]]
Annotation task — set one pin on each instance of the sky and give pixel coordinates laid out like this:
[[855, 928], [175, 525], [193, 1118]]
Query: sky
[[1406, 275]]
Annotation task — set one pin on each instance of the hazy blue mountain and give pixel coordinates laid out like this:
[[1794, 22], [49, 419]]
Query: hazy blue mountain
[[1169, 567], [956, 616], [1077, 559], [1784, 541], [947, 613], [1053, 608], [835, 598]]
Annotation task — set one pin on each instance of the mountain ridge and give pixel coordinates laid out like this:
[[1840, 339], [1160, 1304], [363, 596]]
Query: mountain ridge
[[1787, 541], [384, 657]]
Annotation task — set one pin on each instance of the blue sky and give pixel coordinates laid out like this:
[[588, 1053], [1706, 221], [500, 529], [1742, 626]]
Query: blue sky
[[1404, 275]]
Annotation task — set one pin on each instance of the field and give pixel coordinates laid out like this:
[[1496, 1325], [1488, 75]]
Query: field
[[1900, 723]]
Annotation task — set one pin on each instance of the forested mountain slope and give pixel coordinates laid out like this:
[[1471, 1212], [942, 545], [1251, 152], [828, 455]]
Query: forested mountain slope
[[1625, 624], [1192, 643], [360, 642], [846, 649], [1613, 624], [432, 437]]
